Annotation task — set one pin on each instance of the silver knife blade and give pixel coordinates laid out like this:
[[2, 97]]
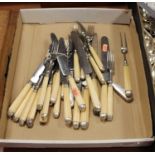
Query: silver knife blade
[[79, 46], [62, 58]]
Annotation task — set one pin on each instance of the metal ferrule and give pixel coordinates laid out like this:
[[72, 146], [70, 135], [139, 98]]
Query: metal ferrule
[[84, 125], [68, 121], [122, 92], [76, 125], [82, 107], [21, 122], [103, 116], [29, 123]]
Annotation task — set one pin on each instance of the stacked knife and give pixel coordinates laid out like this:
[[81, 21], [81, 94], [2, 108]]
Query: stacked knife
[[71, 73]]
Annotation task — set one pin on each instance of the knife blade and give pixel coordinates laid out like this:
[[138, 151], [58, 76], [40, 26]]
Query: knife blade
[[63, 64], [84, 63], [106, 74]]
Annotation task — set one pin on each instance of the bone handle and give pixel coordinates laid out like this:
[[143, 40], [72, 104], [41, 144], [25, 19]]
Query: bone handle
[[84, 119], [56, 83], [110, 103], [42, 92], [45, 109], [95, 82], [127, 81], [76, 67], [27, 108], [82, 74], [76, 94], [97, 70], [33, 110], [96, 58], [67, 106], [22, 106], [76, 116], [56, 110], [104, 102], [16, 103], [93, 94]]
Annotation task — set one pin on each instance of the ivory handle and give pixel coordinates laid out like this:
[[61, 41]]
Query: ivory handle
[[96, 58], [67, 106], [45, 109], [56, 110], [76, 67], [42, 93], [82, 74], [127, 81], [55, 87], [76, 116], [95, 82], [84, 119], [104, 102], [77, 94], [93, 94], [97, 70], [27, 108], [33, 110], [110, 103], [22, 106], [16, 103]]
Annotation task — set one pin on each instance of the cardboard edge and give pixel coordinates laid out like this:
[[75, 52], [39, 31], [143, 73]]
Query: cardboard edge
[[77, 143], [54, 15]]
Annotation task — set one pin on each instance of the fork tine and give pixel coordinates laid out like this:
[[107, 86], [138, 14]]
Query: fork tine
[[125, 40], [121, 40]]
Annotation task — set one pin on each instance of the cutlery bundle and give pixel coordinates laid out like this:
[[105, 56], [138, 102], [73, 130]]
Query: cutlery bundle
[[71, 77]]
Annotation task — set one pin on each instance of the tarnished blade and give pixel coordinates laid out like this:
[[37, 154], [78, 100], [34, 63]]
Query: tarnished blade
[[62, 58], [79, 46]]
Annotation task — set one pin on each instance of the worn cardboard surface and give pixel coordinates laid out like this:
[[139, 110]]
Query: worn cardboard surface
[[130, 119]]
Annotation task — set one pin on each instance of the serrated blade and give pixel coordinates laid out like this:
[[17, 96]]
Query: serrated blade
[[79, 46]]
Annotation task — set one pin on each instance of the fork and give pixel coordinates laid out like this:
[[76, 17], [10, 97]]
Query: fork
[[127, 81]]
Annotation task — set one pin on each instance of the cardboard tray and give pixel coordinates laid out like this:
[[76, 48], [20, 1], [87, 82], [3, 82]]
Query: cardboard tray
[[132, 124]]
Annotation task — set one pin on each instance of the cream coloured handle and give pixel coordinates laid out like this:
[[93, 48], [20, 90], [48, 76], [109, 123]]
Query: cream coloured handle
[[45, 109], [127, 81], [97, 70], [42, 93], [22, 106], [16, 103], [56, 109], [96, 58], [82, 74], [33, 110], [27, 108], [95, 82], [84, 118], [67, 106], [76, 94], [110, 103], [55, 87], [76, 116], [76, 67], [93, 94], [104, 102]]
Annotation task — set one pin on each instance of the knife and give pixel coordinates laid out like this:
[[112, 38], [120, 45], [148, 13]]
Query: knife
[[88, 39], [84, 63], [63, 65]]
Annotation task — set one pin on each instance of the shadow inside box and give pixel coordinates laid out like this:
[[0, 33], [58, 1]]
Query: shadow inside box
[[109, 149]]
